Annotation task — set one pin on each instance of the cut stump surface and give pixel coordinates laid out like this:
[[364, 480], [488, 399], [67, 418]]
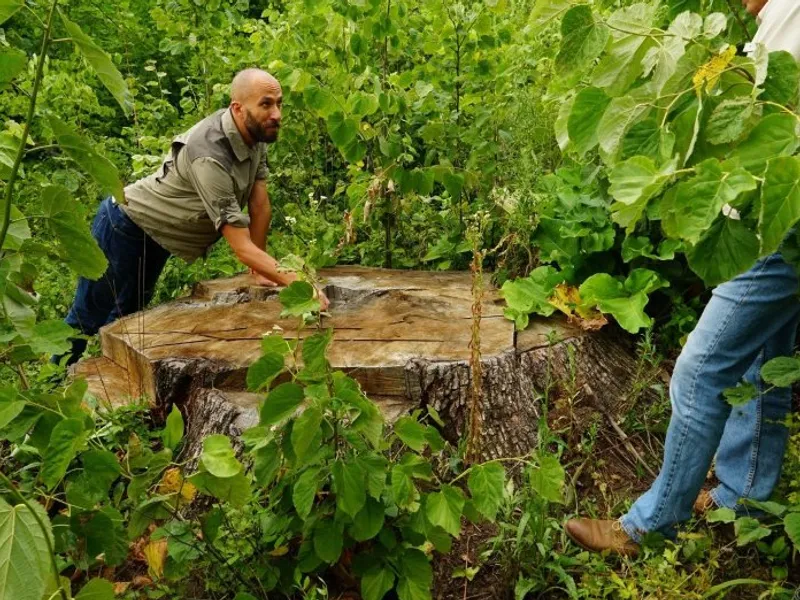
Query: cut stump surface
[[404, 335]]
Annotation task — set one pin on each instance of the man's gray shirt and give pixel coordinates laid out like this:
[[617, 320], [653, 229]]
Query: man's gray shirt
[[204, 183]]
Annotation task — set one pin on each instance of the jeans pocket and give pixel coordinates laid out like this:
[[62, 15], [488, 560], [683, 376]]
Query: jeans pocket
[[122, 224]]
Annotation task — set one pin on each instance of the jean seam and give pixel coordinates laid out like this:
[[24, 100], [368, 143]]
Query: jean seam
[[757, 435], [696, 376]]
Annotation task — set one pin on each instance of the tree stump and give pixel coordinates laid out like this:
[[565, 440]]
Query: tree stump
[[404, 335]]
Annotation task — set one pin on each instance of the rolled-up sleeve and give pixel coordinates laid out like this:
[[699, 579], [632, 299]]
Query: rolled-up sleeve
[[214, 185], [263, 169]]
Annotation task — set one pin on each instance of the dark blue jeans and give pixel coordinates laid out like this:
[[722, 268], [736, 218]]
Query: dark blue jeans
[[135, 262]]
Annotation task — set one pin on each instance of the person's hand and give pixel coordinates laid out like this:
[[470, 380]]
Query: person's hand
[[261, 280], [753, 6], [324, 303]]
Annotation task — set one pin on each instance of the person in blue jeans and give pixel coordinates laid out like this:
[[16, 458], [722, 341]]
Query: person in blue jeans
[[748, 321]]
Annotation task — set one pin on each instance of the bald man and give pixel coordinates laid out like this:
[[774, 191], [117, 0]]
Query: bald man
[[197, 196]]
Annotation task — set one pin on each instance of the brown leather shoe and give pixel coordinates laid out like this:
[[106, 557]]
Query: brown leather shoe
[[704, 503], [598, 535]]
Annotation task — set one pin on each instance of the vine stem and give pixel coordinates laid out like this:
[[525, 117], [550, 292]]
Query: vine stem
[[37, 82], [18, 496]]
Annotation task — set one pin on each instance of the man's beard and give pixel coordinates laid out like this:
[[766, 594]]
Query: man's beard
[[258, 132]]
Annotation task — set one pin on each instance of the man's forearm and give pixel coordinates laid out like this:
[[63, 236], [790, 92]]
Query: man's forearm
[[263, 264], [260, 215]]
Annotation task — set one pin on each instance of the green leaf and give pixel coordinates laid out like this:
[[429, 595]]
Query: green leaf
[[531, 294], [173, 431], [780, 202], [328, 541], [12, 62], [7, 10], [621, 114], [415, 576], [727, 249], [98, 166], [368, 522], [218, 457], [305, 430], [791, 524], [546, 10], [297, 299], [51, 337], [376, 582], [749, 530], [266, 462], [102, 65], [281, 403], [315, 364], [244, 596], [782, 371], [583, 38], [24, 558], [487, 487], [96, 589], [638, 179], [774, 136], [783, 78], [444, 509], [77, 246], [11, 405], [261, 373], [721, 515], [609, 295], [375, 468], [587, 110], [741, 394], [342, 130], [304, 492], [235, 490], [411, 433], [67, 437], [349, 483], [729, 120], [404, 492], [699, 200], [547, 479]]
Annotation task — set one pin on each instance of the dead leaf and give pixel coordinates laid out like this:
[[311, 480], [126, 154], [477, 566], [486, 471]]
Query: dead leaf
[[155, 554]]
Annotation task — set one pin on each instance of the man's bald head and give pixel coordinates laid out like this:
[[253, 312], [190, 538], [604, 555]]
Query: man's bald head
[[256, 99]]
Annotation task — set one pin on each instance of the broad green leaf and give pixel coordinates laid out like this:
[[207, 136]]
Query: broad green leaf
[[18, 230], [741, 394], [587, 110], [315, 364], [729, 120], [714, 24], [609, 295], [782, 371], [100, 469], [244, 596], [686, 128], [638, 179], [342, 129], [18, 305], [304, 492], [368, 522], [66, 217], [67, 437], [583, 38], [375, 468], [173, 431], [727, 249], [98, 166], [445, 508], [11, 405], [415, 576], [102, 65], [281, 403], [783, 78], [698, 201], [235, 490], [776, 509], [96, 589], [266, 462], [647, 138], [12, 62], [376, 582], [531, 294], [791, 524], [411, 433], [297, 299], [547, 479], [262, 373], [721, 515], [7, 10], [749, 530], [774, 136], [780, 202], [24, 558], [621, 114], [328, 541], [218, 457], [305, 430], [349, 483], [487, 487], [404, 492], [546, 10], [51, 337]]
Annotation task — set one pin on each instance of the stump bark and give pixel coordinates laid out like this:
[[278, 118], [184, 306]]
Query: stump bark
[[404, 335]]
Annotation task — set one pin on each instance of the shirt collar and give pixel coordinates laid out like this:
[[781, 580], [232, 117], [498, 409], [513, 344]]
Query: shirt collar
[[240, 148]]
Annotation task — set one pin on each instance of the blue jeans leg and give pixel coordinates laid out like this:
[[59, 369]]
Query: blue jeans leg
[[744, 324], [135, 262]]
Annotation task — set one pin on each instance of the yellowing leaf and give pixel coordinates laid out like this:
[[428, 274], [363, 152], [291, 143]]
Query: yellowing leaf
[[567, 299], [172, 482], [155, 553], [708, 75], [279, 551]]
